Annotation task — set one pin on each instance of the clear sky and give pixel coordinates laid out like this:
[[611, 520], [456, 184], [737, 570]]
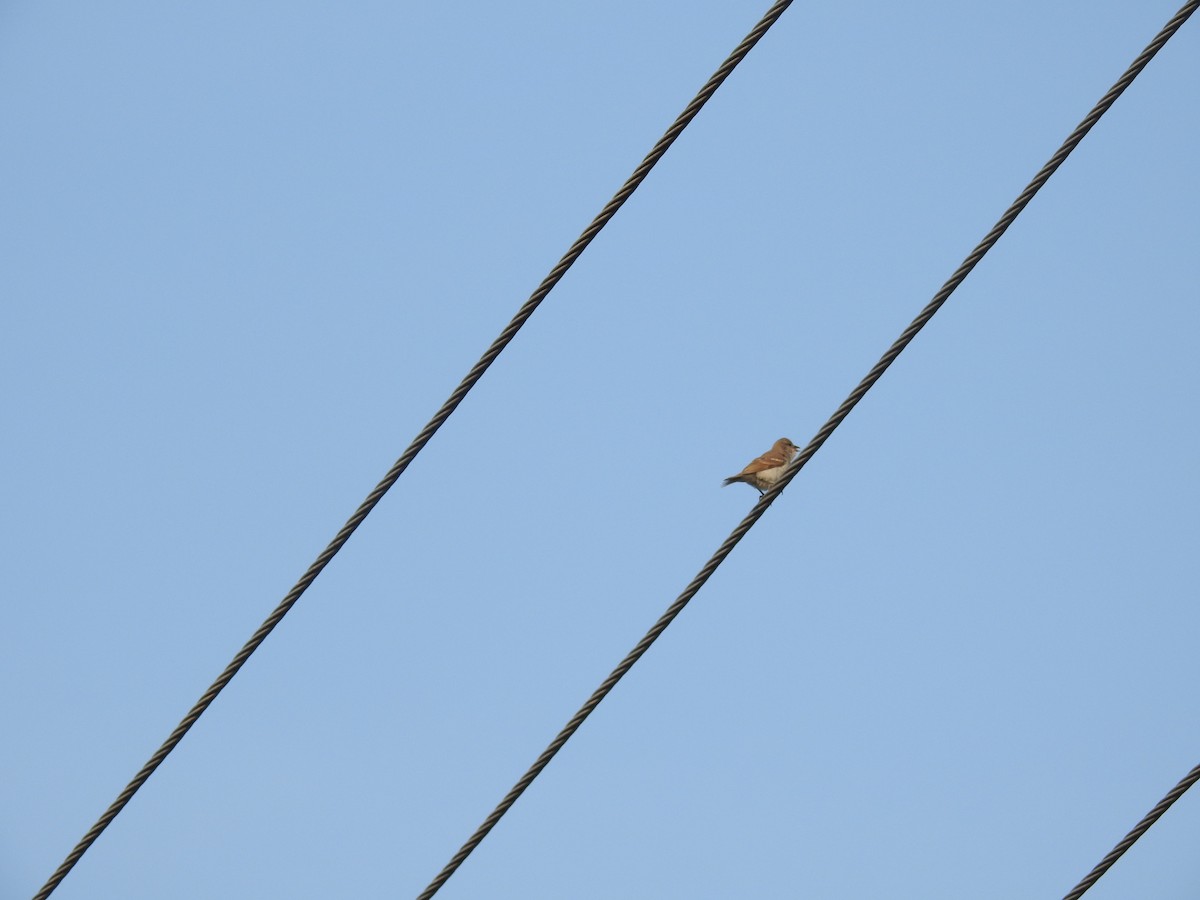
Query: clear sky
[[248, 249]]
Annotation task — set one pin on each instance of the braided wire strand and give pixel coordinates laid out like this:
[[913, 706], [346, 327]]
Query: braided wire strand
[[813, 446], [527, 309], [1130, 839]]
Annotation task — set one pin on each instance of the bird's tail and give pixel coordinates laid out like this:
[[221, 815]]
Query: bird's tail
[[730, 480]]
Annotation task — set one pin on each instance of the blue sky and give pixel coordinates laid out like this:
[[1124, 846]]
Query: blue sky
[[247, 251]]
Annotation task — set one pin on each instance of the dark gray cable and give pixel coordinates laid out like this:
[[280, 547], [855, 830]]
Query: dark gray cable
[[523, 314], [813, 446], [1130, 839]]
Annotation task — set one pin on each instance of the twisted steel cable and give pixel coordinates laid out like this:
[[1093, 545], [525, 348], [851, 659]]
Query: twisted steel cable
[[473, 376], [813, 446], [1128, 841]]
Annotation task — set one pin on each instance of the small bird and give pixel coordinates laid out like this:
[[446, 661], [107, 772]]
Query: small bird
[[766, 471]]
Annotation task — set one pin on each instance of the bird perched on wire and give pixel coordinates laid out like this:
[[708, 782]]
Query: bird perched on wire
[[766, 471]]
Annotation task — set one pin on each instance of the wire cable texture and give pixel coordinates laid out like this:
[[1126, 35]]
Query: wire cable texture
[[576, 250], [813, 446], [1130, 839]]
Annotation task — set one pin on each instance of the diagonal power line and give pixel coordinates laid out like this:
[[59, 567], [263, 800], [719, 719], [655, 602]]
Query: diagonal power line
[[1141, 828], [813, 446], [473, 376]]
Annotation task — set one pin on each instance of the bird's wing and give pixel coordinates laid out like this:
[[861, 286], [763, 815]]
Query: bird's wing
[[771, 460]]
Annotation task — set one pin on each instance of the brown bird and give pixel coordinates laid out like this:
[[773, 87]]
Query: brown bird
[[766, 471]]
